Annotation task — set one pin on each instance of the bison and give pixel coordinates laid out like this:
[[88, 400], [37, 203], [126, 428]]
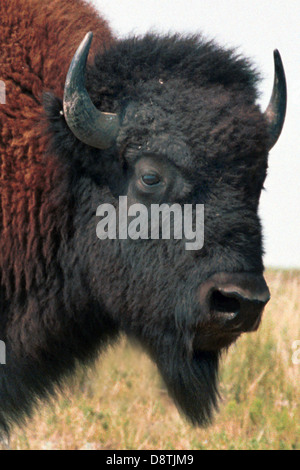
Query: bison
[[158, 119]]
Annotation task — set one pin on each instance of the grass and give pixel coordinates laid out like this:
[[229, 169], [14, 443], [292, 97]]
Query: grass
[[122, 403]]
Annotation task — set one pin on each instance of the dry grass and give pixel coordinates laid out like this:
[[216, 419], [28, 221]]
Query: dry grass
[[122, 403]]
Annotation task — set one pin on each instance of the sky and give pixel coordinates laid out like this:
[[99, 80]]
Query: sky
[[256, 27]]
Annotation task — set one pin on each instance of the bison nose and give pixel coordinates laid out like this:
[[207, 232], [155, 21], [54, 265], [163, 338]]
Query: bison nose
[[235, 301]]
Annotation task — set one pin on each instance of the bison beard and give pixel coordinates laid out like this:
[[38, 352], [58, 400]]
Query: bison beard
[[191, 379]]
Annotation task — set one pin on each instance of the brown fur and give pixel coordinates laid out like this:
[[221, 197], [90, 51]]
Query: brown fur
[[34, 56]]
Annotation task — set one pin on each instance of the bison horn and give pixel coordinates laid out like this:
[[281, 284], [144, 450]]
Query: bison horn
[[87, 123], [275, 112]]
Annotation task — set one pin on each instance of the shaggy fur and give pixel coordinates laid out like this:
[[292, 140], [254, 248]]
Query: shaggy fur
[[184, 102]]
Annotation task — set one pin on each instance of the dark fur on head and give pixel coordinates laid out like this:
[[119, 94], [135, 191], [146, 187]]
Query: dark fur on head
[[64, 293]]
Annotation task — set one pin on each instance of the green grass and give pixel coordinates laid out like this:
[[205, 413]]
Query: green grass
[[122, 403]]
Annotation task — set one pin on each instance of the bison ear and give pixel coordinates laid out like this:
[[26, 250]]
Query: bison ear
[[61, 141], [52, 105], [53, 108]]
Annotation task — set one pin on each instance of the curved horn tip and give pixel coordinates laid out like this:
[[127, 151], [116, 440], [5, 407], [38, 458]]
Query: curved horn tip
[[276, 110], [278, 62], [84, 47], [88, 38], [276, 53]]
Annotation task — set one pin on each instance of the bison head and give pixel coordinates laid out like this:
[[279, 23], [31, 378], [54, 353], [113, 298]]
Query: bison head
[[181, 126]]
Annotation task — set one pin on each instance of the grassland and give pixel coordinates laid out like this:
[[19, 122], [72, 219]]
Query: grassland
[[122, 403]]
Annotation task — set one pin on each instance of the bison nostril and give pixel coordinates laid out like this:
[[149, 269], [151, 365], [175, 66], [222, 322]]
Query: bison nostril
[[234, 301], [224, 306], [236, 310]]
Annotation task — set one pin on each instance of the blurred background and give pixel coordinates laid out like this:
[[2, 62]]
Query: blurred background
[[256, 28]]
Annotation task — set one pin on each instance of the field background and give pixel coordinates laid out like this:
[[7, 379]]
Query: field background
[[123, 404]]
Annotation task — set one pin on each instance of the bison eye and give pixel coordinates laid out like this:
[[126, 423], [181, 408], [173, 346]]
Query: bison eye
[[151, 179]]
